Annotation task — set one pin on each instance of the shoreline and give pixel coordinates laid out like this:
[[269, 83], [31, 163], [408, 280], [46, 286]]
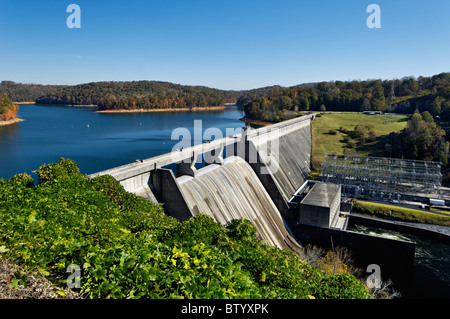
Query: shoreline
[[77, 105], [70, 105], [255, 122], [185, 109], [16, 120]]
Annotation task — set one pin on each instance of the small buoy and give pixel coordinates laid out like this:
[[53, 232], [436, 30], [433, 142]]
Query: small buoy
[[87, 125]]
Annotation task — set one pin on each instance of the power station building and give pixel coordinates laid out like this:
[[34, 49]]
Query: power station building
[[321, 205]]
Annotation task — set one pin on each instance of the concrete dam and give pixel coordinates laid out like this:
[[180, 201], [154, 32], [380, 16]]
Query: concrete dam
[[262, 175], [250, 175]]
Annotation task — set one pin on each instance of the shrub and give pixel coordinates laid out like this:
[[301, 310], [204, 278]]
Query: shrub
[[199, 229], [346, 139], [23, 179], [64, 168], [351, 144], [242, 229]]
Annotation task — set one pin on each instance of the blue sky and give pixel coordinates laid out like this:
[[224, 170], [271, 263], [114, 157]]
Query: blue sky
[[226, 44]]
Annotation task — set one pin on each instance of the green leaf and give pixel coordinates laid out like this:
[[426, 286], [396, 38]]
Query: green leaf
[[3, 249], [14, 283]]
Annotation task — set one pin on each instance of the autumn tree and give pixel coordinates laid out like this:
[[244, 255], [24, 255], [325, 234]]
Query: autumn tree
[[8, 110], [422, 139]]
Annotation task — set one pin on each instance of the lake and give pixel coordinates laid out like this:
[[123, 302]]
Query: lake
[[97, 141]]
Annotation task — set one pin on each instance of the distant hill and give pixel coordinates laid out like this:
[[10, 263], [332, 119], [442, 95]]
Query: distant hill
[[111, 95], [271, 103], [138, 94], [402, 95], [19, 92], [248, 95]]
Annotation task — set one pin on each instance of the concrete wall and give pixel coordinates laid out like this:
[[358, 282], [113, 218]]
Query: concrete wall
[[395, 257], [335, 208], [169, 193], [321, 205], [289, 165], [314, 215]]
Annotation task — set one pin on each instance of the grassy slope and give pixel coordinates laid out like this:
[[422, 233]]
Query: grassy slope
[[325, 143], [407, 214]]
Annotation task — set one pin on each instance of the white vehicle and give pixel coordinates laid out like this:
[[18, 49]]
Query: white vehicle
[[437, 202]]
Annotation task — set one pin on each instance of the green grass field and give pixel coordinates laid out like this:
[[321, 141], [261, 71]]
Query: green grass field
[[325, 143]]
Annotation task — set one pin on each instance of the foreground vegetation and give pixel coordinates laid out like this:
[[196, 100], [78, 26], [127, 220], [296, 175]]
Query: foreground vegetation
[[126, 247], [399, 213]]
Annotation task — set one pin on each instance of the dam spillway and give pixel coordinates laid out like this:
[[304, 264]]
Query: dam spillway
[[284, 171], [233, 191], [290, 166], [254, 179]]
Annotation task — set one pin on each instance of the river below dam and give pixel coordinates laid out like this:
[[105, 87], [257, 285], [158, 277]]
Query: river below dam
[[431, 276], [98, 141]]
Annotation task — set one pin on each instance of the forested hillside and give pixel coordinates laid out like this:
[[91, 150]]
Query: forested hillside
[[272, 103], [19, 92], [8, 110], [404, 96], [138, 94]]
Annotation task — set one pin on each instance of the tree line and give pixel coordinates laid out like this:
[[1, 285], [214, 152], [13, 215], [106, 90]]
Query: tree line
[[405, 95], [138, 94], [270, 103], [120, 95], [422, 139], [19, 92]]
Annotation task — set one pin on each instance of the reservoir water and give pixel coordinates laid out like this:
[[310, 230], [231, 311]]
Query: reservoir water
[[97, 141]]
